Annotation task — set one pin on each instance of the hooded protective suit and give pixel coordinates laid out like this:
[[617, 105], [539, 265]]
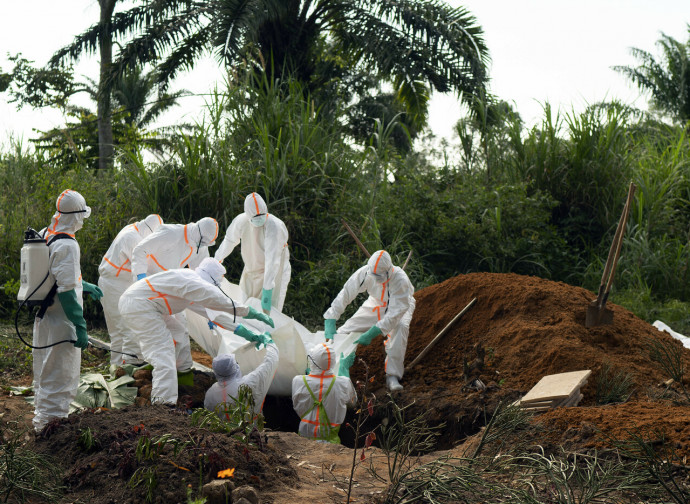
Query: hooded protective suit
[[115, 275], [264, 250], [148, 306], [174, 246], [230, 379], [56, 369], [321, 398], [389, 307]]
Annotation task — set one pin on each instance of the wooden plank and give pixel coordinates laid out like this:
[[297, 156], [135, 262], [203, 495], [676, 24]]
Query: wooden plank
[[558, 386]]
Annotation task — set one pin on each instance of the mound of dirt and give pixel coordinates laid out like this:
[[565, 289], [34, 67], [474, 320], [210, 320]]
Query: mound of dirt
[[529, 328], [107, 451]]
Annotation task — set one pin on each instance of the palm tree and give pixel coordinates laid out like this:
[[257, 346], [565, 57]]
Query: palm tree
[[137, 97], [412, 44], [667, 80], [99, 36]]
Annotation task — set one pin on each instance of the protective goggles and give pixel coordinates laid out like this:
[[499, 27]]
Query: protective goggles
[[86, 212]]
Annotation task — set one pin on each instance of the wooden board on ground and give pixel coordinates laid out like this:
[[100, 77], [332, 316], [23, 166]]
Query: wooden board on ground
[[556, 387]]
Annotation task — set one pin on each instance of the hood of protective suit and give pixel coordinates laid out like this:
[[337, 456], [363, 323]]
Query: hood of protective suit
[[256, 209], [202, 233], [211, 271], [380, 265], [149, 225], [225, 367], [322, 357], [71, 211]]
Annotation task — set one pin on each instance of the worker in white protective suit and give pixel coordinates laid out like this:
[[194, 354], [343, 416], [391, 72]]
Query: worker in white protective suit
[[321, 397], [174, 246], [226, 390], [387, 311], [56, 368], [148, 306], [264, 250], [115, 276]]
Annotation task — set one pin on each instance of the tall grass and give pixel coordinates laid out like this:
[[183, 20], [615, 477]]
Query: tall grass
[[549, 208]]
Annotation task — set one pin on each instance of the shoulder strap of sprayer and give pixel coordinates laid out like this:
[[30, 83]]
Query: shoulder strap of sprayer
[[53, 290]]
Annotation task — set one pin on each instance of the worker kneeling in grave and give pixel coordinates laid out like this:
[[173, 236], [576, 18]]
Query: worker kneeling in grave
[[320, 397], [391, 295], [226, 391], [149, 306]]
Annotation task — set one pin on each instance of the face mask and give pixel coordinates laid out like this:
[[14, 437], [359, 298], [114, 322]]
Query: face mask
[[258, 220]]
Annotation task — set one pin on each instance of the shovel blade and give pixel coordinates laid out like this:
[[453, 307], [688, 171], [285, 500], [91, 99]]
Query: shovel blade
[[597, 315]]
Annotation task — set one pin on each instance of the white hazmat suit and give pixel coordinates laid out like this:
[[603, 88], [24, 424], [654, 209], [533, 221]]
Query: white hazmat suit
[[174, 246], [148, 306], [264, 250], [115, 276], [230, 379], [56, 369], [321, 398], [389, 307]]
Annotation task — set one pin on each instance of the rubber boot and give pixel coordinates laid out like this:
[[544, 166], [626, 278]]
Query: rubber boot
[[185, 378], [392, 383]]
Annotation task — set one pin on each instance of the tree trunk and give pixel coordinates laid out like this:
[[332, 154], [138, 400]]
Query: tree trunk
[[105, 119]]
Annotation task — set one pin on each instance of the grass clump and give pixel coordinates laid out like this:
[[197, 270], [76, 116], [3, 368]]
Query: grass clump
[[24, 474], [613, 385]]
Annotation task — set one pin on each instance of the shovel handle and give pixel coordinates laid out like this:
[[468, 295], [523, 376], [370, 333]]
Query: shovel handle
[[626, 213], [359, 243], [616, 237]]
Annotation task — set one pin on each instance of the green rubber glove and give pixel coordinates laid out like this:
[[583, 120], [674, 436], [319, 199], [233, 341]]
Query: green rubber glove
[[368, 336], [245, 333], [92, 290], [265, 340], [266, 296], [75, 314], [329, 328], [345, 364], [257, 315]]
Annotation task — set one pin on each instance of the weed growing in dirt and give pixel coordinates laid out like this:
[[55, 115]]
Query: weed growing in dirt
[[146, 476], [668, 354], [87, 440], [236, 418], [613, 385], [505, 421], [364, 411], [660, 461], [152, 448], [15, 358], [401, 439], [571, 478], [24, 474]]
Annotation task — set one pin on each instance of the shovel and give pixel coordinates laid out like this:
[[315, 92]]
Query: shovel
[[597, 313]]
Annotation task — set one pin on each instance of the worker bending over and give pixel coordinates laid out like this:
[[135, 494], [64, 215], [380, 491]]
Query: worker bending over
[[387, 311], [149, 306], [174, 246], [264, 250], [115, 276]]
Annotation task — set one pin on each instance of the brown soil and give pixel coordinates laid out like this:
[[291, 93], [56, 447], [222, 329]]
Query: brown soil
[[528, 326]]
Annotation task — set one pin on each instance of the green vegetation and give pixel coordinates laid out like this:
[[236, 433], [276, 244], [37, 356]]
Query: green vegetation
[[549, 207], [24, 474]]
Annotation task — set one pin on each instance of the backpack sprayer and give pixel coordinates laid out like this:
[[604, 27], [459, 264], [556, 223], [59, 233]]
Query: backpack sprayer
[[37, 286]]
